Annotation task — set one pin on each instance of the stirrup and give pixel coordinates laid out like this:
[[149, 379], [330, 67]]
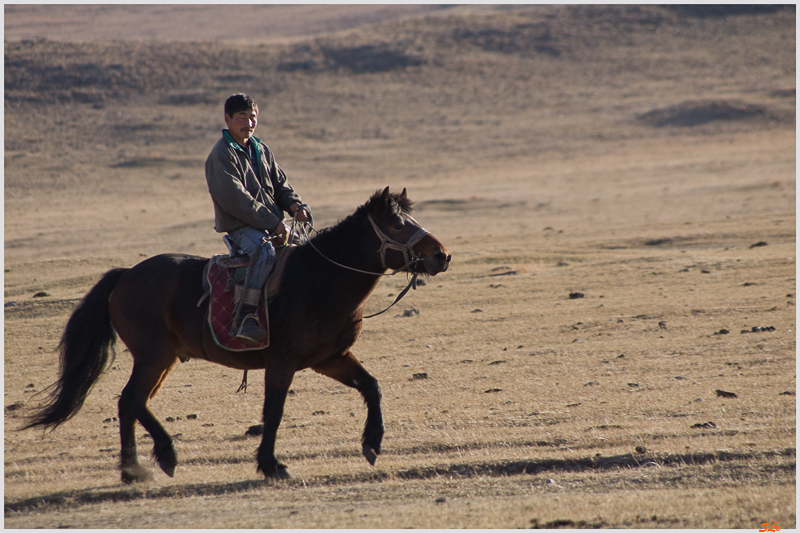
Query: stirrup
[[251, 332], [248, 327]]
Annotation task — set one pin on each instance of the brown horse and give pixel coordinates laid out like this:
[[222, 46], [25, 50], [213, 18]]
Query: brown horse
[[316, 317]]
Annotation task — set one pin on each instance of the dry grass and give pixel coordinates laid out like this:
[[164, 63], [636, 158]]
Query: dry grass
[[532, 158]]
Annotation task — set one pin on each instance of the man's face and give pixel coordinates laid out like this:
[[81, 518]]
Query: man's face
[[242, 125]]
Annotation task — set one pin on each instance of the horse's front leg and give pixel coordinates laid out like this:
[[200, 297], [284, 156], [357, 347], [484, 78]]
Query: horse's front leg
[[347, 370], [277, 379]]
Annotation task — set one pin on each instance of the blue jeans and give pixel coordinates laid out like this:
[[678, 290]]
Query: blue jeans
[[248, 239]]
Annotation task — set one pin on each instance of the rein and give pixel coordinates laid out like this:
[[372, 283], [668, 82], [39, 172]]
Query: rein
[[387, 243]]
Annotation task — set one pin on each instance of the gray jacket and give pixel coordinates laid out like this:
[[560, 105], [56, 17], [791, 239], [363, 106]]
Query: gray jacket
[[240, 198]]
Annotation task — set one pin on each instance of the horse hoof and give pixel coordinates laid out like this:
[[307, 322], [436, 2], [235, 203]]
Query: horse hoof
[[168, 469], [166, 458], [369, 453], [136, 474], [281, 472]]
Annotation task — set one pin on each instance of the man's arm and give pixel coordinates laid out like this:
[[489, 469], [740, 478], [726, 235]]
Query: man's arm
[[284, 193]]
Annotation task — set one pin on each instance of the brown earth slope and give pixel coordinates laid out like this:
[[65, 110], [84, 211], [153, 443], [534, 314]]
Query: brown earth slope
[[643, 157], [192, 23]]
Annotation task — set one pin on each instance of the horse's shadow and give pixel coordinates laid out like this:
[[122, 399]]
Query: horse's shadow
[[539, 468]]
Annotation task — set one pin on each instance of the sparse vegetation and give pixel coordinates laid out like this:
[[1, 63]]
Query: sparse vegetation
[[640, 156]]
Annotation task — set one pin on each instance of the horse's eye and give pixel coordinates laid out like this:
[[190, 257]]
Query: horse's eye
[[398, 226]]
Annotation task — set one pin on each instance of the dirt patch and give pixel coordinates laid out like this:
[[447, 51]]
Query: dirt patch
[[508, 403], [260, 23], [371, 58], [523, 38], [688, 114], [718, 11]]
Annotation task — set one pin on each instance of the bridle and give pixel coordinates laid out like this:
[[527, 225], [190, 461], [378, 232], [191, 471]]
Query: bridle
[[407, 248], [387, 243]]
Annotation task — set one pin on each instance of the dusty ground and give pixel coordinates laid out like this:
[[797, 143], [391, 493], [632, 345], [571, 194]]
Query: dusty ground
[[641, 156]]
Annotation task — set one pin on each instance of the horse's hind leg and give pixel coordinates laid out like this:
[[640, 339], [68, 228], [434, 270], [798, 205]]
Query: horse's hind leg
[[347, 370], [132, 470], [143, 384]]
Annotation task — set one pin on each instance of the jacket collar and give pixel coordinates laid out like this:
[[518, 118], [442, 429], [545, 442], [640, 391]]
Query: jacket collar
[[236, 146]]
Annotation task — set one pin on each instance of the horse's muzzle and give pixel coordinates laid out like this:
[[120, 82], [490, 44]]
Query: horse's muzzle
[[438, 262]]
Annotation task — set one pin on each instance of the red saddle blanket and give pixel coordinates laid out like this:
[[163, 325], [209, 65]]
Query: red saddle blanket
[[221, 307]]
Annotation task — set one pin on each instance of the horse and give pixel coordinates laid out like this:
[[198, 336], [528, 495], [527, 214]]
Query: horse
[[316, 317]]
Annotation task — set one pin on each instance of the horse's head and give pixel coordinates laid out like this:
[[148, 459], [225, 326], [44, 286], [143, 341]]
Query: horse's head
[[405, 245]]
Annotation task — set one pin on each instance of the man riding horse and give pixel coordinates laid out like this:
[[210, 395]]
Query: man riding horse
[[250, 194]]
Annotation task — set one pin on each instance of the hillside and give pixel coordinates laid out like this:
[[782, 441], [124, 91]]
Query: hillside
[[253, 23], [642, 157]]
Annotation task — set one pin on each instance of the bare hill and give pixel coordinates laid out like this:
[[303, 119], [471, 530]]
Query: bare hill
[[614, 344], [493, 87], [252, 23]]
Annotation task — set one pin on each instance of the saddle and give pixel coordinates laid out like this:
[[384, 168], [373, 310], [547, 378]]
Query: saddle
[[223, 278]]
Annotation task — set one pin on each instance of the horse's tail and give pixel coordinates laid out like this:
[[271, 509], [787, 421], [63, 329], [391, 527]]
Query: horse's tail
[[84, 350]]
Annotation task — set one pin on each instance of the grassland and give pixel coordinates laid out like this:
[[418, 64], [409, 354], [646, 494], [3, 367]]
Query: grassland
[[643, 157]]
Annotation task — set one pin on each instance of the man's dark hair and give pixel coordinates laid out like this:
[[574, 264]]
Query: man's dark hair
[[239, 102]]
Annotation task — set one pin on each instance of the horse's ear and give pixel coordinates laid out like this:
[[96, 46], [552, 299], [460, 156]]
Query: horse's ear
[[385, 195], [403, 194]]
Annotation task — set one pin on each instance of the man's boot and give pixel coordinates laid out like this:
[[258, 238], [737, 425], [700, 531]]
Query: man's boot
[[248, 327]]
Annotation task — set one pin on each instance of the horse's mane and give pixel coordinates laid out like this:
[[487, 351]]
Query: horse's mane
[[342, 240]]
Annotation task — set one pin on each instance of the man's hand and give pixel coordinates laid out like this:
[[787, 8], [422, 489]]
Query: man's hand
[[296, 210], [279, 235]]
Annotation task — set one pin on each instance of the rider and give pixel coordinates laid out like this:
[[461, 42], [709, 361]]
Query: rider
[[250, 193]]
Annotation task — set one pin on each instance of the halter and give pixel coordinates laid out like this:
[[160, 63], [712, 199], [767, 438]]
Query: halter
[[387, 243], [407, 248]]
